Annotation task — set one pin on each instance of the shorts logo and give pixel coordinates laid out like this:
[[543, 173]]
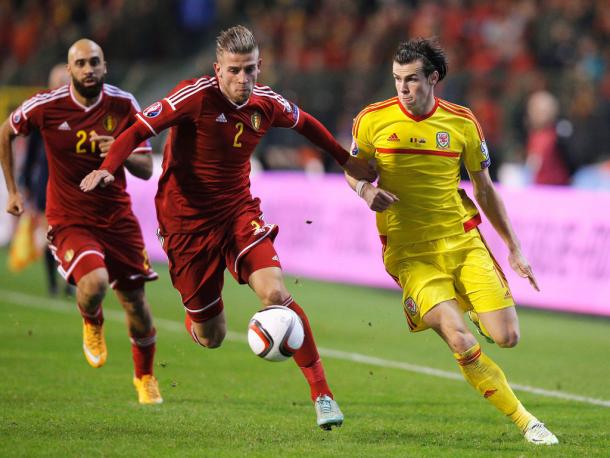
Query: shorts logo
[[153, 110], [17, 116], [411, 306], [354, 148], [256, 120], [109, 123], [257, 227], [275, 258], [442, 140], [69, 255]]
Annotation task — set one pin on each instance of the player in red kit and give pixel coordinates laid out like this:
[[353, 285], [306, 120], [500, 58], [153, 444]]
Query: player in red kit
[[95, 237], [208, 219]]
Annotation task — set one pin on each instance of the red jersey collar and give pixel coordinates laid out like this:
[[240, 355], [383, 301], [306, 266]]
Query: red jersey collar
[[421, 117], [90, 107]]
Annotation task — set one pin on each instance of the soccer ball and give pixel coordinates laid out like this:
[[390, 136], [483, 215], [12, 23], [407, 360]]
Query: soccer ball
[[275, 333]]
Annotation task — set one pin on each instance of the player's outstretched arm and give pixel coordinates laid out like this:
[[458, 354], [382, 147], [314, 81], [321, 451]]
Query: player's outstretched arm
[[492, 205], [376, 198], [15, 200], [139, 165], [315, 132], [119, 151]]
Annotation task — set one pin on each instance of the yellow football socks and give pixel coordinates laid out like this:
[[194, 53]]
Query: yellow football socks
[[489, 380]]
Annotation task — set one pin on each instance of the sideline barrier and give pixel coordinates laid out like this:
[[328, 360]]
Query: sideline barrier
[[328, 233]]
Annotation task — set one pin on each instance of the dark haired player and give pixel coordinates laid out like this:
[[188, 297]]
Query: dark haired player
[[428, 226]]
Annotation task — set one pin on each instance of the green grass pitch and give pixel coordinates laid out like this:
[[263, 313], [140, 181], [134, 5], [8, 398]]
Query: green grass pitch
[[228, 403]]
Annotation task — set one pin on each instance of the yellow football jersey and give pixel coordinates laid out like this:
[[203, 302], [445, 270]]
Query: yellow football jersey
[[418, 160]]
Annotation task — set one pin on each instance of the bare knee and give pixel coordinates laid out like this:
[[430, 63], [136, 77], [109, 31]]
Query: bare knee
[[273, 295], [459, 340], [212, 333], [508, 339], [92, 288]]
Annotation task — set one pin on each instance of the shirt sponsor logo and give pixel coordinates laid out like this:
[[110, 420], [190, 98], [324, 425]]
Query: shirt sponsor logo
[[442, 140], [354, 148], [221, 118], [255, 119], [17, 116], [411, 306], [153, 110], [64, 126], [109, 123]]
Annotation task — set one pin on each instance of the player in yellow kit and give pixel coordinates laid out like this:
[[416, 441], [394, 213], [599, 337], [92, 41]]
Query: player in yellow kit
[[428, 226]]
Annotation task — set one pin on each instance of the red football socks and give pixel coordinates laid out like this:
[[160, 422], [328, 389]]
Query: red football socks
[[308, 358], [96, 317], [143, 352]]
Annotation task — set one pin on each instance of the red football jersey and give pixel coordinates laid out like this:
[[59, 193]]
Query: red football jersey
[[66, 127], [206, 164]]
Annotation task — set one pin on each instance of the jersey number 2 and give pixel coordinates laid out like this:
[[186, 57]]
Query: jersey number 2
[[240, 130]]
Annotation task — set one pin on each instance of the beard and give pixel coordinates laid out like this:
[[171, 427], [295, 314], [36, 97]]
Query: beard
[[88, 92]]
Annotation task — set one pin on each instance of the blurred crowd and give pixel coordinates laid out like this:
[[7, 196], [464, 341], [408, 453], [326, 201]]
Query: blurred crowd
[[534, 72]]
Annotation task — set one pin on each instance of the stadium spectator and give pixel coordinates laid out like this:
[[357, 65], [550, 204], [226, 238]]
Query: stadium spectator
[[544, 154], [208, 219], [95, 238], [428, 226]]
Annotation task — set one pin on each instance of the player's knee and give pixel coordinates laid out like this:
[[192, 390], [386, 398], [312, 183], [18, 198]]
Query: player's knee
[[508, 339], [213, 340], [460, 340], [92, 287], [273, 295]]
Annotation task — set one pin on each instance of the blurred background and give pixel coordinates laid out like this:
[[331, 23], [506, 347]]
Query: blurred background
[[533, 72]]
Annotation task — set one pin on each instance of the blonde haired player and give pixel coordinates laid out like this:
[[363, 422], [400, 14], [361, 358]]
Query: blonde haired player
[[428, 226]]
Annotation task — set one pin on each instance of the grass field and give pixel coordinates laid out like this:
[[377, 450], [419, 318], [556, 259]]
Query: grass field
[[228, 403]]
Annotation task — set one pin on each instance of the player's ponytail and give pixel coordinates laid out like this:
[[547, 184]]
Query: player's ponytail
[[428, 50]]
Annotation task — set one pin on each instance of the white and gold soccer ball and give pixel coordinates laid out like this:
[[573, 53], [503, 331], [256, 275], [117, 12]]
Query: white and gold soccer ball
[[275, 333]]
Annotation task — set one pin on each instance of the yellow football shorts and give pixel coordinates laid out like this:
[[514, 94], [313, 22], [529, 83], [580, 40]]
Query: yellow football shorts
[[459, 267]]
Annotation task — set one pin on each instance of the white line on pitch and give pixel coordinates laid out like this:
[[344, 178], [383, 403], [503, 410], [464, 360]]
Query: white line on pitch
[[64, 306]]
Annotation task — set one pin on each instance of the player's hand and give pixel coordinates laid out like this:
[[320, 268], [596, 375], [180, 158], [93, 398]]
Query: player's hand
[[377, 199], [15, 204], [522, 267], [359, 169], [98, 177], [104, 142]]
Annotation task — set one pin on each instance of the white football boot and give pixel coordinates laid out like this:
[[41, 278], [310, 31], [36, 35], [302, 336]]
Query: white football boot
[[328, 412], [536, 433]]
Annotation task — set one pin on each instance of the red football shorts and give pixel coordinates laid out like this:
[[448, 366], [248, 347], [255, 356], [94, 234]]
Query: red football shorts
[[81, 249], [197, 261]]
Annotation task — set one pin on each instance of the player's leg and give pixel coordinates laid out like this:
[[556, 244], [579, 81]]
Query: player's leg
[[81, 261], [269, 286], [501, 325], [90, 292], [143, 338]]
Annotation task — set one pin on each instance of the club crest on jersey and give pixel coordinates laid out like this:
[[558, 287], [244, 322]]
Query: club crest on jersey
[[255, 119], [154, 110], [411, 306], [442, 139], [69, 255], [17, 116], [109, 123]]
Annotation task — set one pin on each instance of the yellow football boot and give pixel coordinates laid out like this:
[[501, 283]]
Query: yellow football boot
[[148, 389]]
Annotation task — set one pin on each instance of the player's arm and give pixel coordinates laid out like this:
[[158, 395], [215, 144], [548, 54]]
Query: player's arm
[[15, 200], [139, 165], [120, 149], [376, 198], [315, 132], [492, 205]]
